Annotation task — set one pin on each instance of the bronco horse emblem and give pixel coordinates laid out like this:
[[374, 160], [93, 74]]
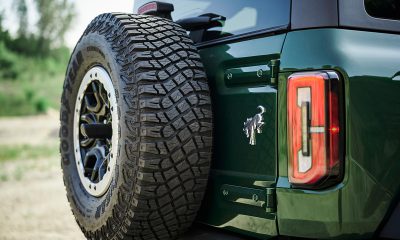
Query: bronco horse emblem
[[254, 125]]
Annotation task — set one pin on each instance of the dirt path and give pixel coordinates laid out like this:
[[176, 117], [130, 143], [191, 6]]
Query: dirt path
[[33, 205], [32, 130]]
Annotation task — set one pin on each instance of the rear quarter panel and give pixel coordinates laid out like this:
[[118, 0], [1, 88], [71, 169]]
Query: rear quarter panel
[[369, 64]]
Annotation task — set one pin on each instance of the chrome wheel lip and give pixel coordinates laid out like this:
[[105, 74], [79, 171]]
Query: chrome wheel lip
[[100, 74]]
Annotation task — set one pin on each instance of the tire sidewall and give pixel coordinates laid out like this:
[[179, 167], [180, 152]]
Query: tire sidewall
[[91, 212]]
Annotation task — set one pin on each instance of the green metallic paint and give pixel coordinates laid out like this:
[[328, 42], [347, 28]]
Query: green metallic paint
[[368, 63], [240, 170], [369, 66]]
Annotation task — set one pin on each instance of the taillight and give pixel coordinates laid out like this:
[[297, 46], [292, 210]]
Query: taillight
[[314, 128]]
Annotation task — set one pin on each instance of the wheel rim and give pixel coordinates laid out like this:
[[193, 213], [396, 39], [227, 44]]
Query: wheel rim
[[95, 131]]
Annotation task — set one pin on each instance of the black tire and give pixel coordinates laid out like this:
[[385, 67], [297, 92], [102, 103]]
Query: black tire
[[165, 128]]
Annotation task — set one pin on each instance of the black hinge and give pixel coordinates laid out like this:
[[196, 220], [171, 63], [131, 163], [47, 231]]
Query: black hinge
[[274, 66], [270, 200]]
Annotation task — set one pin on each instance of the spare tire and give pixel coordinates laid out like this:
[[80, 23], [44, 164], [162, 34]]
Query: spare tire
[[136, 129]]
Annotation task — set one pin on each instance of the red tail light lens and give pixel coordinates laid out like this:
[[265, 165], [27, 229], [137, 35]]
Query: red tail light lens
[[313, 128]]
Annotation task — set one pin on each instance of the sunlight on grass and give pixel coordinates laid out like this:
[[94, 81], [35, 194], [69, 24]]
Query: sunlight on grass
[[17, 160], [24, 152]]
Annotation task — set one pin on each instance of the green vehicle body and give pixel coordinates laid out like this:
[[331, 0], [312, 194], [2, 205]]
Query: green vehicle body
[[355, 207], [358, 205], [249, 190]]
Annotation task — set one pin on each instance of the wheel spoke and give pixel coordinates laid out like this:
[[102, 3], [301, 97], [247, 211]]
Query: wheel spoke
[[103, 97], [88, 118], [103, 166], [92, 99], [86, 142]]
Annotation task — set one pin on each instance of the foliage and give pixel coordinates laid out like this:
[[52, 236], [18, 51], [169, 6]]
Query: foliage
[[32, 65], [7, 63], [22, 12], [31, 85], [55, 18], [1, 20]]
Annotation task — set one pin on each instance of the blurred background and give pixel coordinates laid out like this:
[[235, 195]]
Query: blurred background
[[36, 39]]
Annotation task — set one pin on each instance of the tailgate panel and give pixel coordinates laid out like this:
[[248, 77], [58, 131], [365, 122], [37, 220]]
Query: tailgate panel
[[239, 78]]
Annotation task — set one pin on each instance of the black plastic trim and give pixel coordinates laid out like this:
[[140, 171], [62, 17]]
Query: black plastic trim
[[244, 36], [391, 228], [162, 9], [352, 14], [202, 22], [203, 232], [344, 14], [314, 14]]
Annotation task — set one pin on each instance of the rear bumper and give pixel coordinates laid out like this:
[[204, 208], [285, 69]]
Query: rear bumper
[[391, 227], [202, 232], [353, 209]]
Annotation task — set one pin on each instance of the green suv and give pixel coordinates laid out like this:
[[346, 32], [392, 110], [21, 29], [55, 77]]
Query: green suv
[[256, 119]]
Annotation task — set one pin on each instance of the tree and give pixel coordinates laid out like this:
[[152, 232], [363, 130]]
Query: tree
[[4, 34], [22, 13], [1, 20], [55, 18]]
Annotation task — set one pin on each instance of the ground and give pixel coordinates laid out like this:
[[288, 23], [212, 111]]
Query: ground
[[32, 194], [33, 200]]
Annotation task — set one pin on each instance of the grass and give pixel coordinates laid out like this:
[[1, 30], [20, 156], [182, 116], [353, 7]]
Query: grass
[[3, 177], [25, 152], [17, 160]]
